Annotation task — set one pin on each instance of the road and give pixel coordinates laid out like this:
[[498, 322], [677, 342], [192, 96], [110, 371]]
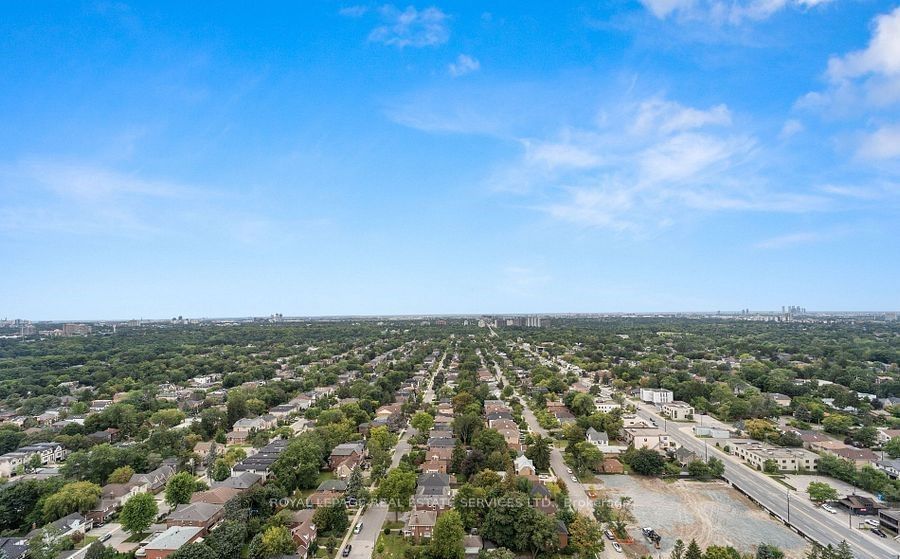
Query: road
[[577, 493], [811, 521], [375, 515]]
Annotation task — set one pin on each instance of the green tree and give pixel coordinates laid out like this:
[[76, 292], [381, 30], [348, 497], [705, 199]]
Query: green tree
[[332, 518], [838, 423], [195, 550], [768, 551], [78, 496], [121, 474], [48, 544], [422, 421], [446, 540], [220, 470], [227, 539], [276, 540], [396, 489], [299, 464], [716, 467], [138, 513], [699, 469], [586, 536], [693, 551], [539, 452], [677, 550], [179, 488], [646, 462], [820, 492]]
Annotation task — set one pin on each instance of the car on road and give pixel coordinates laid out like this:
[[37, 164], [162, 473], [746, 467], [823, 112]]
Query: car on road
[[105, 537], [872, 522], [346, 552], [879, 533], [569, 470], [828, 508], [608, 535], [617, 547], [575, 479], [357, 528]]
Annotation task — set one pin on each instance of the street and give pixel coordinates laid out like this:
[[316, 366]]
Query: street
[[375, 515]]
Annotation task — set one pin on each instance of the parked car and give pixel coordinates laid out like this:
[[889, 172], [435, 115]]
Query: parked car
[[357, 528], [575, 479], [105, 537], [829, 508], [569, 470], [608, 535], [346, 552], [617, 547], [879, 533], [872, 522]]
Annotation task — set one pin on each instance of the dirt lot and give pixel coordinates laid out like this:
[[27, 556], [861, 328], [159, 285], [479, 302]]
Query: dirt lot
[[711, 513]]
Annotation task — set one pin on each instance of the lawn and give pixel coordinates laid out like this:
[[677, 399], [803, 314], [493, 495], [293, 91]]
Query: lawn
[[392, 547], [136, 538], [86, 541]]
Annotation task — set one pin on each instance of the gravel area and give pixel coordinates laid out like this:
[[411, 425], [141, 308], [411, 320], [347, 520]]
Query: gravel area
[[711, 513]]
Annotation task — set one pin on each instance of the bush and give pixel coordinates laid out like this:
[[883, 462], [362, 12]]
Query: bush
[[387, 531]]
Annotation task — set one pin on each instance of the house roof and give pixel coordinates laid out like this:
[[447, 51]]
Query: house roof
[[596, 436], [195, 512], [422, 518], [174, 537], [333, 485], [434, 479]]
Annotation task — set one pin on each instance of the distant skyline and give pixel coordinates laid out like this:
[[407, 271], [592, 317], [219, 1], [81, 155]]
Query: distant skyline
[[341, 158]]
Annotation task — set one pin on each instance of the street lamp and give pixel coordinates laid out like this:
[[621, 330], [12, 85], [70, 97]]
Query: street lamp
[[789, 507]]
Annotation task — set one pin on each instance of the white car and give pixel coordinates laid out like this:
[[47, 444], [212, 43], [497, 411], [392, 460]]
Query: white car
[[829, 508], [569, 470], [617, 547], [872, 522], [357, 528], [575, 479]]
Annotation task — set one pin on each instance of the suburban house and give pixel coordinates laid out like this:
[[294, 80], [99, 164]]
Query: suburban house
[[216, 496], [67, 525], [303, 531], [13, 548], [782, 400], [345, 451], [890, 467], [47, 453], [420, 525], [472, 545], [242, 481], [198, 515], [155, 481], [524, 466], [433, 493], [170, 541]]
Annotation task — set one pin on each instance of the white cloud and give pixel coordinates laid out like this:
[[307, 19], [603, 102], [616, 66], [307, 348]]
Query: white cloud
[[884, 143], [667, 116], [791, 127], [354, 11], [411, 27], [881, 56], [659, 163], [463, 65], [790, 240], [722, 12], [866, 79]]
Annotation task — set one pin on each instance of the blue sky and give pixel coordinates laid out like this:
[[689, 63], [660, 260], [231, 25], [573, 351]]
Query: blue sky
[[338, 158]]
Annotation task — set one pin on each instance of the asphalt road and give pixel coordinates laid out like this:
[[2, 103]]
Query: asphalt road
[[375, 515], [811, 521]]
